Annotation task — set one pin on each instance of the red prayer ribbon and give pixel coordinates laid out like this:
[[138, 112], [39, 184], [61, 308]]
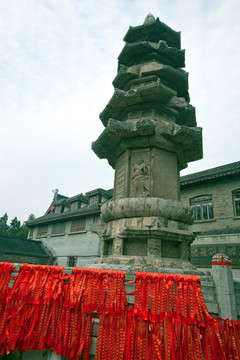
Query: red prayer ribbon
[[223, 262], [48, 309]]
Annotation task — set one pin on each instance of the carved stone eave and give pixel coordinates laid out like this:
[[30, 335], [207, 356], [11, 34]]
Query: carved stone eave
[[147, 109], [124, 75], [122, 99], [168, 72], [139, 51], [186, 116], [115, 132], [177, 78], [183, 148], [153, 31], [190, 138], [116, 144], [197, 154]]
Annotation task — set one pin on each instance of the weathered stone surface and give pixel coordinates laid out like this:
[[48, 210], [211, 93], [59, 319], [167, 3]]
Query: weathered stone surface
[[166, 135], [177, 79], [146, 207], [147, 261], [145, 50], [155, 91], [154, 31], [223, 279], [150, 134]]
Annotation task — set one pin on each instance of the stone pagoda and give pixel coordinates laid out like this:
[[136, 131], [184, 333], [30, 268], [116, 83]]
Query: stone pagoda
[[150, 135]]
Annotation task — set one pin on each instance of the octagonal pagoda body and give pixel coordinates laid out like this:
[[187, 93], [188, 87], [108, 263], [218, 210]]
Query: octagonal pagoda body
[[150, 135]]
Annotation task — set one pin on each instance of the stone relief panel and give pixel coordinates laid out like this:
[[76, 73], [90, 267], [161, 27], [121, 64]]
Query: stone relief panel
[[108, 247], [185, 250], [170, 249], [121, 177], [135, 247], [140, 114], [117, 246], [154, 247], [119, 184], [140, 174]]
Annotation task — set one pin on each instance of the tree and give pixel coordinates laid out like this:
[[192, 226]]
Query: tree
[[15, 229], [30, 218], [3, 224], [23, 231]]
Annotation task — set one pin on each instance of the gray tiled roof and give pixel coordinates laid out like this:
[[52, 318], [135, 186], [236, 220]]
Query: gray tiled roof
[[10, 245], [214, 173], [69, 214], [86, 210], [103, 192], [64, 199]]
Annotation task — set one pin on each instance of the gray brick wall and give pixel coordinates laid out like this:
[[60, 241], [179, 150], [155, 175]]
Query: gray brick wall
[[221, 191]]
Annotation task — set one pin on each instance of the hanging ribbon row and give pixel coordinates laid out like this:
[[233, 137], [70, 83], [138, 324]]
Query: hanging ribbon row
[[47, 309]]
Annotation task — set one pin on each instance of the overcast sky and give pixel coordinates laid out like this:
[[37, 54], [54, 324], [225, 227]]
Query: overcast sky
[[57, 62]]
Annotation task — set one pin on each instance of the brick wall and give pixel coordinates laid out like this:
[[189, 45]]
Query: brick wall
[[223, 230], [221, 191]]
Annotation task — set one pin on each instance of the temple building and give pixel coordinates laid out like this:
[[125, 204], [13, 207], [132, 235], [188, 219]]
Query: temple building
[[214, 196], [65, 227]]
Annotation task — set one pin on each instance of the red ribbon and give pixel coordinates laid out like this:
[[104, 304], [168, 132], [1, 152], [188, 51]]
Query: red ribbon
[[223, 262], [47, 309]]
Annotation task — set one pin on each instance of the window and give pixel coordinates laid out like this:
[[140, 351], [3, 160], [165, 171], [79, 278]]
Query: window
[[93, 200], [78, 225], [58, 228], [236, 202], [74, 205], [50, 210], [30, 234], [58, 209], [54, 261], [42, 230], [72, 260], [202, 207]]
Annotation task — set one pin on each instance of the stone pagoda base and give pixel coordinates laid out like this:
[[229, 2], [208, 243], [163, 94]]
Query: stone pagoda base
[[157, 236], [147, 262]]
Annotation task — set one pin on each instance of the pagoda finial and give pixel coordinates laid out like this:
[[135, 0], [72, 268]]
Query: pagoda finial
[[149, 19]]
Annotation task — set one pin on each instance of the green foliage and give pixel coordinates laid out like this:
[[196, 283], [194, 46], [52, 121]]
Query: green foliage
[[30, 218], [15, 229], [3, 224]]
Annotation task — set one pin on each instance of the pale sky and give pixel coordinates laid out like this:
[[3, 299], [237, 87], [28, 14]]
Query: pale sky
[[57, 62]]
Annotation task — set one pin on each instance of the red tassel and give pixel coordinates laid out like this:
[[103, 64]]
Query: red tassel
[[46, 308]]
